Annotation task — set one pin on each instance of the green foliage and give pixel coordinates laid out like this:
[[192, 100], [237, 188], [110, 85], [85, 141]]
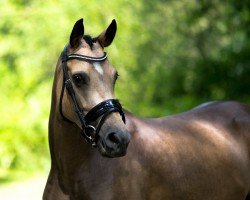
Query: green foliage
[[171, 55], [193, 51]]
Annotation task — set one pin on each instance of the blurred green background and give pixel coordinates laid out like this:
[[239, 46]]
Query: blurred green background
[[171, 55]]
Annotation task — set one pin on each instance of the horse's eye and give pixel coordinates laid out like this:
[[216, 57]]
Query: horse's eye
[[80, 79]]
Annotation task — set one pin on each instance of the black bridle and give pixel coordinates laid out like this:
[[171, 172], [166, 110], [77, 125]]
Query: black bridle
[[101, 110]]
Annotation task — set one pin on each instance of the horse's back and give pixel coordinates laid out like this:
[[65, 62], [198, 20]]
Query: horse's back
[[202, 151]]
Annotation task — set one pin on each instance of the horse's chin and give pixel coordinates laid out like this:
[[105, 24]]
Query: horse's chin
[[105, 152]]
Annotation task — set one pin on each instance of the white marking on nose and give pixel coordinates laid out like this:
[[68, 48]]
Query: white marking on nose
[[98, 67]]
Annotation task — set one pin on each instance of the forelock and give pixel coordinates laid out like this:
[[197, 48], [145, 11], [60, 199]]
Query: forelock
[[89, 40]]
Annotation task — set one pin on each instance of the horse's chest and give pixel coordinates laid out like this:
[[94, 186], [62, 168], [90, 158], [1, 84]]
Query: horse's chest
[[101, 180]]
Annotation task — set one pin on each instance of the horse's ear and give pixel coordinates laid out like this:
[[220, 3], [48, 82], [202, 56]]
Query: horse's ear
[[107, 36], [76, 34]]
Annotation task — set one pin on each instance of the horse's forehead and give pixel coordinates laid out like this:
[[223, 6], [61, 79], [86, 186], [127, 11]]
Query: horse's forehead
[[95, 51]]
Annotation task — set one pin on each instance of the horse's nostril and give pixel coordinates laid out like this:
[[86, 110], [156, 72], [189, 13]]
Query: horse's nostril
[[114, 138]]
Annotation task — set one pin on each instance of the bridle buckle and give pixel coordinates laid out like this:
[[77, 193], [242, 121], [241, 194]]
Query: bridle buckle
[[90, 133]]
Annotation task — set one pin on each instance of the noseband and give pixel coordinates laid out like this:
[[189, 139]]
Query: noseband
[[101, 110]]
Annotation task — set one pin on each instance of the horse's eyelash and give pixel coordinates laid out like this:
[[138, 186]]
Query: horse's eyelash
[[117, 75]]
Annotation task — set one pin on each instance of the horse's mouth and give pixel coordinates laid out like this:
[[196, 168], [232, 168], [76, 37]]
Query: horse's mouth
[[111, 152]]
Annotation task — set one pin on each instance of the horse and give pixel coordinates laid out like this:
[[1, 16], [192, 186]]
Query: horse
[[101, 151]]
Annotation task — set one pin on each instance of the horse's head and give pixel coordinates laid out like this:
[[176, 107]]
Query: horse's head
[[88, 99]]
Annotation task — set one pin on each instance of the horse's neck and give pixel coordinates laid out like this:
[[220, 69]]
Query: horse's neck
[[131, 122], [65, 138]]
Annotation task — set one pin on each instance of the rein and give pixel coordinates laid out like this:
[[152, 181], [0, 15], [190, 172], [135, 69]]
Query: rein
[[103, 109]]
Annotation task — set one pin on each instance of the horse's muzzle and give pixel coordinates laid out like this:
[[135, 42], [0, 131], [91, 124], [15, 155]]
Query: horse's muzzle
[[114, 144]]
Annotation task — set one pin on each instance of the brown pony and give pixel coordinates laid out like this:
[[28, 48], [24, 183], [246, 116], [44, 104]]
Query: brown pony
[[200, 154]]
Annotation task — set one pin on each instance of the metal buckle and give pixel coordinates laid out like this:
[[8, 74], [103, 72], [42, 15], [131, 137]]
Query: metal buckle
[[90, 134]]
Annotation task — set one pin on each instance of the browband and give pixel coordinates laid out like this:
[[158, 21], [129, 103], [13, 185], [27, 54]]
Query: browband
[[90, 59], [87, 58]]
